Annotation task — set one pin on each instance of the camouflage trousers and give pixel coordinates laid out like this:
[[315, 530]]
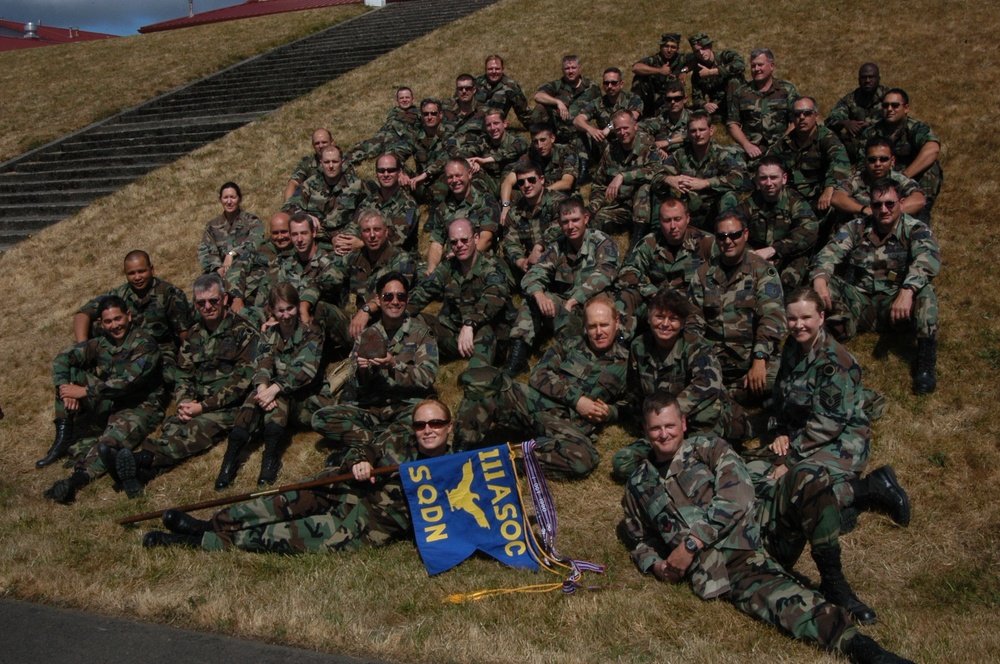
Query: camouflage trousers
[[734, 371], [484, 342], [530, 320], [930, 181], [631, 308], [800, 506], [855, 311], [631, 208], [298, 407], [792, 271], [180, 440], [335, 323], [564, 448], [840, 462], [347, 426]]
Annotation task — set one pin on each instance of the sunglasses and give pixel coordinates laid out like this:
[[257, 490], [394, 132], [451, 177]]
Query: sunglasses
[[734, 235], [465, 88], [891, 104], [389, 297], [612, 83], [430, 113], [673, 100], [878, 205], [460, 240], [420, 425], [387, 170], [804, 112], [878, 160], [531, 179], [208, 302]]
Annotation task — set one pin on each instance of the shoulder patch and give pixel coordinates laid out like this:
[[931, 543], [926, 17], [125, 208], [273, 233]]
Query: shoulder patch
[[773, 289]]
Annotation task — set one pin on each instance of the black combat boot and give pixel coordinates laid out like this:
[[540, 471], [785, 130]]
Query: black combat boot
[[63, 441], [863, 649], [159, 538], [238, 438], [64, 491], [108, 456], [183, 523], [924, 378], [881, 492], [132, 468], [639, 231], [271, 461], [517, 360], [835, 587]]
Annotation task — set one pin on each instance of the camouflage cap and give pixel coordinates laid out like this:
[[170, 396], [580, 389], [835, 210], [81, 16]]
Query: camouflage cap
[[483, 382], [700, 39], [666, 37]]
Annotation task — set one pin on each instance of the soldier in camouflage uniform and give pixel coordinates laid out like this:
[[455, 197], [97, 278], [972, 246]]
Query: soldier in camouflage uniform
[[741, 311], [214, 369], [669, 127], [559, 101], [402, 121], [158, 307], [494, 156], [714, 77], [474, 289], [533, 221], [760, 110], [667, 359], [110, 389], [370, 511], [620, 192], [593, 122], [702, 172], [395, 202], [559, 164], [428, 146], [651, 74], [462, 113], [876, 273], [309, 165], [494, 89], [382, 389], [287, 385], [852, 197], [463, 201], [915, 145], [576, 388], [229, 234], [668, 256], [254, 272], [690, 513], [581, 263], [333, 198], [783, 228], [858, 110]]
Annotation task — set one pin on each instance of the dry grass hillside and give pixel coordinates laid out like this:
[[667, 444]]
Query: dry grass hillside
[[935, 585], [52, 91]]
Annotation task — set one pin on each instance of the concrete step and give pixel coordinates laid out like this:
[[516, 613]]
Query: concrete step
[[156, 160], [98, 151], [54, 196], [12, 183], [30, 223], [16, 212], [134, 172]]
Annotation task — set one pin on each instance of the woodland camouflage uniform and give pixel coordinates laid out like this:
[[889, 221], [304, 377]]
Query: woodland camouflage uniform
[[726, 171], [763, 116], [221, 237]]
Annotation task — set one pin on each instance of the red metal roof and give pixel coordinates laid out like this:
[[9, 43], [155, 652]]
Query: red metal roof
[[47, 36], [248, 9]]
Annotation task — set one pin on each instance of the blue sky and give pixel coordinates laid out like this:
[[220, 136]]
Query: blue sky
[[116, 17]]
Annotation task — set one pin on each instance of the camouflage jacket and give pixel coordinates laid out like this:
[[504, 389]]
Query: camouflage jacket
[[163, 311], [689, 371], [400, 211], [789, 224], [221, 237], [568, 370], [511, 148], [409, 380], [463, 124], [215, 368], [598, 111], [293, 363], [859, 188], [658, 82], [365, 273], [653, 263], [562, 161], [724, 167], [713, 89], [908, 256], [335, 205], [321, 278], [763, 116], [907, 140], [662, 129], [850, 108], [251, 276], [528, 227], [822, 162], [479, 207], [574, 98], [399, 124], [127, 374], [820, 400], [742, 313], [704, 491], [637, 165], [307, 167], [577, 275], [430, 153], [482, 296], [505, 95]]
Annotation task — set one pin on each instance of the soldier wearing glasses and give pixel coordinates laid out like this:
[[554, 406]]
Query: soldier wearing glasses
[[853, 196], [395, 202], [533, 221], [594, 119]]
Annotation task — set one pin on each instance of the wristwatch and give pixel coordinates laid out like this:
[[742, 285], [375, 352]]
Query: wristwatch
[[690, 545], [366, 309], [760, 355], [471, 323], [505, 204]]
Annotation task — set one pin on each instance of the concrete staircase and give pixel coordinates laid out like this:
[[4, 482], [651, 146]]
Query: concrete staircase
[[53, 182]]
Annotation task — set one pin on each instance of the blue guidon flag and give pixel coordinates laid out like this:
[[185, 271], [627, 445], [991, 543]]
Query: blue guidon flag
[[464, 502]]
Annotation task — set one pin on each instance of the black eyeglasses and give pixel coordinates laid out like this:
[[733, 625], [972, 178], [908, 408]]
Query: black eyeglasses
[[207, 302], [804, 112], [420, 425], [465, 88], [531, 179], [460, 240], [389, 297], [612, 83], [878, 205], [675, 99], [878, 160], [430, 113], [734, 235], [891, 104], [387, 170]]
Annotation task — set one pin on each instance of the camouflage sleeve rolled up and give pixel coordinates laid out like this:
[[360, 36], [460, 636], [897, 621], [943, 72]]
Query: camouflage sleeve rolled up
[[215, 369]]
